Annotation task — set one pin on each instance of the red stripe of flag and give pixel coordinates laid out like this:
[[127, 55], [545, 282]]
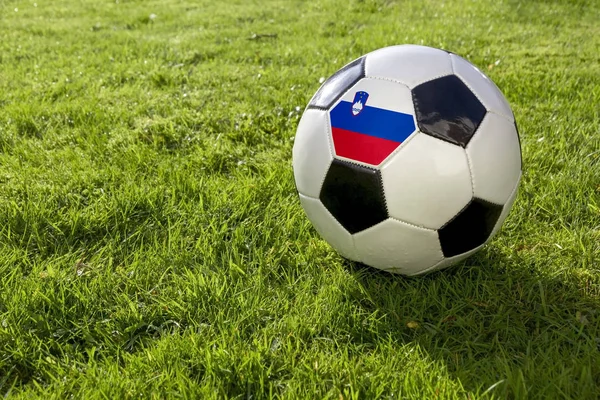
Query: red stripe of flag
[[359, 147]]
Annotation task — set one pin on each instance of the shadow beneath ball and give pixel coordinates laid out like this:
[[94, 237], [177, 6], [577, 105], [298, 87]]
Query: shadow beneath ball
[[495, 317]]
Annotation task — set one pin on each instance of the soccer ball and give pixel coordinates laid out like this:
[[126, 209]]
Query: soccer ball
[[407, 159]]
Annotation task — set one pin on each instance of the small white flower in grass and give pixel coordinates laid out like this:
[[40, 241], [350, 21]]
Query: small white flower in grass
[[541, 139], [321, 79], [152, 17]]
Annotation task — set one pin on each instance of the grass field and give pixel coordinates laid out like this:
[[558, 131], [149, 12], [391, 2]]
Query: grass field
[[152, 244]]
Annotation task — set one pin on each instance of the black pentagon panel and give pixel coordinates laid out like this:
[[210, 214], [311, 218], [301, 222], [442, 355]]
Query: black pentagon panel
[[447, 109], [470, 228], [353, 194], [335, 86]]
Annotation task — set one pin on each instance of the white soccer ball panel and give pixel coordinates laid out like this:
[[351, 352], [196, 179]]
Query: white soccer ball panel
[[495, 157], [427, 182], [506, 210], [312, 154], [398, 247], [328, 227], [409, 64], [486, 90], [383, 94]]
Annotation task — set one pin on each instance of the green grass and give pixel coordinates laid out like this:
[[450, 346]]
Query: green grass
[[151, 239]]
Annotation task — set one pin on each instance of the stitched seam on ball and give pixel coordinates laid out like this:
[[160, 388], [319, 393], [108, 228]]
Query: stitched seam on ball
[[477, 96], [435, 266], [452, 63], [468, 161], [338, 224], [381, 78], [457, 214], [500, 221], [388, 159], [433, 79], [347, 161], [360, 163], [513, 191], [470, 165], [443, 140], [470, 88], [331, 149], [379, 178], [357, 163], [472, 251], [487, 110], [488, 202], [356, 252], [511, 120], [412, 225], [412, 97]]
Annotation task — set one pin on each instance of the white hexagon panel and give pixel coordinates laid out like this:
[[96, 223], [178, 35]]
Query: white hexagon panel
[[495, 156], [398, 247], [408, 64], [427, 183], [311, 155]]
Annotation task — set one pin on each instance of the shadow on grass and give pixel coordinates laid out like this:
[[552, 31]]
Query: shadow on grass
[[496, 322]]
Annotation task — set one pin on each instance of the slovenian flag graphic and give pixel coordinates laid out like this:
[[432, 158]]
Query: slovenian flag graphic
[[368, 134]]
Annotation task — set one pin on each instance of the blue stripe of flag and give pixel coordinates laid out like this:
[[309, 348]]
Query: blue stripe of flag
[[372, 121]]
